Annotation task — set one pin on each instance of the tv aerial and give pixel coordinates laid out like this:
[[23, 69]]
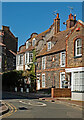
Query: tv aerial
[[71, 8], [55, 13]]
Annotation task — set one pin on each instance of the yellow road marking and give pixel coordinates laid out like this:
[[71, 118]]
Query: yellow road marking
[[14, 109]]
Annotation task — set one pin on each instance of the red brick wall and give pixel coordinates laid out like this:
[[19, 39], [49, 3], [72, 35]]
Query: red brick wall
[[71, 60], [63, 92]]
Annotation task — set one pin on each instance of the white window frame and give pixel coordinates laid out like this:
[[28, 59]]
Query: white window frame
[[76, 47], [27, 44], [61, 60], [49, 45], [61, 79], [43, 62], [78, 85], [33, 42], [26, 58], [20, 59], [17, 59], [29, 57], [43, 81]]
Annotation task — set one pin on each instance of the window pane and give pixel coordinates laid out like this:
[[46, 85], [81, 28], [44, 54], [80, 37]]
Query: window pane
[[78, 81], [21, 59], [43, 62], [43, 80], [78, 42], [62, 59], [78, 47], [78, 51], [30, 57], [49, 45]]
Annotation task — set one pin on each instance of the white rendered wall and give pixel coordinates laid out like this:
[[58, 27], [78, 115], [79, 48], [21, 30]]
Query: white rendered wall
[[77, 96]]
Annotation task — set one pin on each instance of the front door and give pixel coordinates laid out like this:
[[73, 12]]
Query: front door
[[38, 83]]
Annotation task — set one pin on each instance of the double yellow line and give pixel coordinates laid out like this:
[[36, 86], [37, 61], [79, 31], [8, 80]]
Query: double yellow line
[[13, 109]]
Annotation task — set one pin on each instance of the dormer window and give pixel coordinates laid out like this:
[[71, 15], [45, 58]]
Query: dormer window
[[33, 41], [27, 44], [78, 47], [49, 45]]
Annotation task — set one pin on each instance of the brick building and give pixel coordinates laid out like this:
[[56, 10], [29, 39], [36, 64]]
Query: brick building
[[60, 61], [24, 56], [24, 61], [8, 49]]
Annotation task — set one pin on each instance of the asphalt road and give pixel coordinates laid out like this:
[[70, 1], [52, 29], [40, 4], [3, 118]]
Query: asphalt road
[[21, 107]]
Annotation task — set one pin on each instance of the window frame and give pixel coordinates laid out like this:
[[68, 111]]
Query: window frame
[[27, 44], [33, 42], [76, 47], [43, 62], [43, 81], [65, 85], [61, 61], [49, 46], [29, 57], [78, 84], [20, 63], [26, 58]]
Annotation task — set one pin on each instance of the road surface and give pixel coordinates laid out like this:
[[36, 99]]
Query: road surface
[[21, 107]]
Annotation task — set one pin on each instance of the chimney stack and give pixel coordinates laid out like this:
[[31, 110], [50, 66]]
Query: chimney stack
[[57, 24], [71, 22]]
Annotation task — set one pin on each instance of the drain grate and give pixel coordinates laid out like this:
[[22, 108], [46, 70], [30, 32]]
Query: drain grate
[[23, 108]]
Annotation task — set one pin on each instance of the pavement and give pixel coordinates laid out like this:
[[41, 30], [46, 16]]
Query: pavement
[[3, 108], [67, 101]]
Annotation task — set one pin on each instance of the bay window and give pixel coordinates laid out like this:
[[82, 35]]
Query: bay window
[[78, 81]]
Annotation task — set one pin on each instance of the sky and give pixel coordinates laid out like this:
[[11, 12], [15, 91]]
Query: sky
[[24, 18]]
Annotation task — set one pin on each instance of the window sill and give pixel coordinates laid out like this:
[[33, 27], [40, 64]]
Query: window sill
[[62, 66], [77, 91], [78, 56]]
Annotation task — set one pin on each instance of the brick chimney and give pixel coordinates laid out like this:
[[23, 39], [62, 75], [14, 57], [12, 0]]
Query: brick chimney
[[71, 21], [5, 28], [57, 24]]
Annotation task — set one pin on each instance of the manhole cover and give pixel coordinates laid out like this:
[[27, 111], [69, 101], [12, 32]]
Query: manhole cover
[[23, 108]]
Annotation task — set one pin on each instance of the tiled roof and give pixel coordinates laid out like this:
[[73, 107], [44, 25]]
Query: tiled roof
[[60, 39], [25, 50], [41, 35]]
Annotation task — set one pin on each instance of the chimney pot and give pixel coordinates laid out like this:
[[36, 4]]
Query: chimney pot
[[57, 15], [75, 17]]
